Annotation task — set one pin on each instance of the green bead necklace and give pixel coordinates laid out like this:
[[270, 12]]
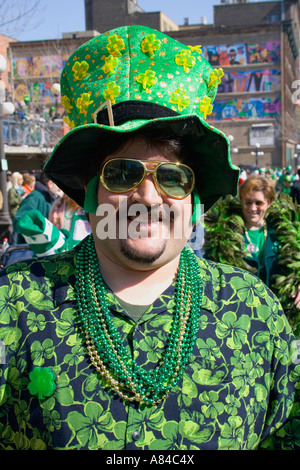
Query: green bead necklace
[[105, 346]]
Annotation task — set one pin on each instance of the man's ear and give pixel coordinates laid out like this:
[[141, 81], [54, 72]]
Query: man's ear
[[91, 200]]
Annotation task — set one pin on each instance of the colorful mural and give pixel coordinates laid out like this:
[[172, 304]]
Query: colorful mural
[[38, 66], [226, 54], [251, 109], [21, 90], [22, 67], [250, 81], [242, 54], [264, 52], [42, 67], [39, 92], [47, 66]]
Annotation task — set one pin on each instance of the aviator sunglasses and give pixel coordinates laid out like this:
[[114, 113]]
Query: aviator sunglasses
[[120, 175]]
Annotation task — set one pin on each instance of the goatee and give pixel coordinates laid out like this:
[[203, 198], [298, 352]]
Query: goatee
[[139, 256]]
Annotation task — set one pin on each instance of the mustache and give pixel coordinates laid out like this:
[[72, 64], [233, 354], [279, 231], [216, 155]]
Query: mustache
[[143, 213]]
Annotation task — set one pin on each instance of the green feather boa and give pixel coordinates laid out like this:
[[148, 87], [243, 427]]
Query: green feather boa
[[224, 242]]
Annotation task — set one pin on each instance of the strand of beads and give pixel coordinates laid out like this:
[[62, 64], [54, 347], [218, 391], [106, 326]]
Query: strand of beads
[[106, 349]]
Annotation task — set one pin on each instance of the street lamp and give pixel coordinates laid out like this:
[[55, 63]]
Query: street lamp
[[257, 154], [55, 90], [231, 139], [297, 155], [5, 108]]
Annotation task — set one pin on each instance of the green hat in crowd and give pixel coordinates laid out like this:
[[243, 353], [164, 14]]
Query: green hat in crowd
[[40, 234], [288, 178], [136, 78]]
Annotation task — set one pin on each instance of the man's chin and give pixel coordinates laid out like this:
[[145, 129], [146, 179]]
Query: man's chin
[[142, 251]]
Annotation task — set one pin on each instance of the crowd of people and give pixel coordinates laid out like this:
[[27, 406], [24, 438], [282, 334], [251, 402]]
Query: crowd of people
[[47, 114], [30, 126], [285, 180], [43, 217], [128, 342]]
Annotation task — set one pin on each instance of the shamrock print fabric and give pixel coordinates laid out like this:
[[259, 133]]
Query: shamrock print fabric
[[237, 392], [137, 63]]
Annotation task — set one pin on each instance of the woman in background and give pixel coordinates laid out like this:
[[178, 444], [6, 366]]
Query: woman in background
[[260, 233], [15, 193], [28, 183]]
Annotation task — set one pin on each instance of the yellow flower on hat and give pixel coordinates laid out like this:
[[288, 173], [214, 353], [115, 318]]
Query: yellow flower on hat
[[83, 102], [180, 98], [150, 44], [205, 106], [186, 59], [115, 45], [147, 79], [215, 77], [69, 122], [111, 63], [80, 70], [196, 49], [66, 103], [112, 91]]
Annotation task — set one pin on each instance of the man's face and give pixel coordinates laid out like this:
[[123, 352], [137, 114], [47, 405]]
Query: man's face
[[54, 189], [232, 55], [149, 237]]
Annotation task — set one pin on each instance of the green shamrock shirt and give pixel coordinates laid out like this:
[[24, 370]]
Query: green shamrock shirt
[[239, 390]]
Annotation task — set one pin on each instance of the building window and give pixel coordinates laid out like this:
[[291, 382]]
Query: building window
[[273, 19], [263, 134]]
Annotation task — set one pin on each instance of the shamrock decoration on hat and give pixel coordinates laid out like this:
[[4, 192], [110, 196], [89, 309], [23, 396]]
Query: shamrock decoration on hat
[[135, 78]]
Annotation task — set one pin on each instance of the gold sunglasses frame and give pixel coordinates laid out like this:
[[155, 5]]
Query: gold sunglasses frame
[[146, 172]]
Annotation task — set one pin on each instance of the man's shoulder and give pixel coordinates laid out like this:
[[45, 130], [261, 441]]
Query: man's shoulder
[[225, 270], [225, 283]]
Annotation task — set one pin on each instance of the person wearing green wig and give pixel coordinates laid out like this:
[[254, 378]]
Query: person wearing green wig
[[129, 341]]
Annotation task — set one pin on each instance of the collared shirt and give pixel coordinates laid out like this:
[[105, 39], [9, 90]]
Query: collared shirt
[[236, 392]]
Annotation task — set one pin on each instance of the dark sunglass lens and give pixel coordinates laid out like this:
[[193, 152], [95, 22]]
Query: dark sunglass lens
[[175, 180], [122, 175]]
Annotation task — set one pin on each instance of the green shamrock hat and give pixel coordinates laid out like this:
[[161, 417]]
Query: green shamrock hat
[[136, 78]]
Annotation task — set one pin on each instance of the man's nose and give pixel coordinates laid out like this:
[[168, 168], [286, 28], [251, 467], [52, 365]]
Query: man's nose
[[147, 192]]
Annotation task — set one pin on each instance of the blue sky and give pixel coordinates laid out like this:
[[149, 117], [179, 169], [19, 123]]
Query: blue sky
[[63, 16]]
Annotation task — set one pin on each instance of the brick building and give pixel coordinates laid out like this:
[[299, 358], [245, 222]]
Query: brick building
[[35, 67], [109, 14], [255, 100], [256, 44], [6, 75]]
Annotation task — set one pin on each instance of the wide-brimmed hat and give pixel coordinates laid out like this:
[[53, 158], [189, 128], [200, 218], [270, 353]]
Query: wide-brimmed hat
[[134, 78]]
